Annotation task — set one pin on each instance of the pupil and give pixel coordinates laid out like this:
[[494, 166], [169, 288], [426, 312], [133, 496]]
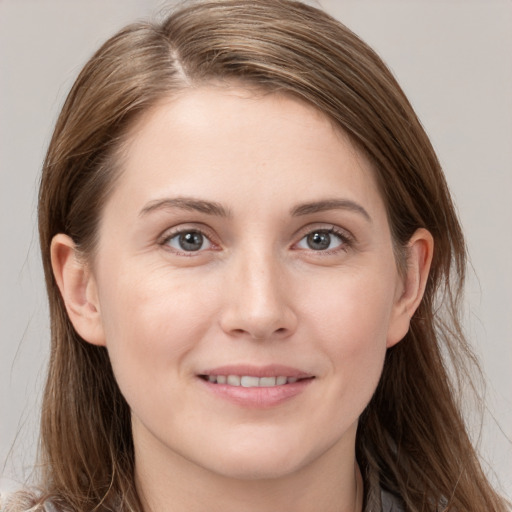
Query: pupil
[[319, 241], [191, 241]]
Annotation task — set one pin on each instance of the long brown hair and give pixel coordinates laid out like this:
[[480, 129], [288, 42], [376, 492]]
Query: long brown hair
[[411, 438]]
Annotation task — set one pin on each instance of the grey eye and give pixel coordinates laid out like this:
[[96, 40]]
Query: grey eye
[[189, 241], [320, 240]]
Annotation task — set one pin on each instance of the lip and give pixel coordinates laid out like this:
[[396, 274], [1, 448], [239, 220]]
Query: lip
[[272, 370], [257, 397]]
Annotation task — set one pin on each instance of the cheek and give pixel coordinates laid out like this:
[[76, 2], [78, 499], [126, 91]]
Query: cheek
[[350, 319], [353, 307], [152, 320]]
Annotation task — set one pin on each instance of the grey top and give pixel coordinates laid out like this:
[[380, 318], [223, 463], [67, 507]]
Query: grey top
[[390, 503]]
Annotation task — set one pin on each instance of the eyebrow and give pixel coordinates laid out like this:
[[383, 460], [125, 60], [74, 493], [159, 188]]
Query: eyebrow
[[214, 208], [186, 203], [330, 204]]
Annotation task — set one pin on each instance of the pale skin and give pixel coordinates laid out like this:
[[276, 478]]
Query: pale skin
[[291, 263]]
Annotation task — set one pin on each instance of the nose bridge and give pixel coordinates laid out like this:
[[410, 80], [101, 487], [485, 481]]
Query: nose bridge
[[258, 303], [262, 284]]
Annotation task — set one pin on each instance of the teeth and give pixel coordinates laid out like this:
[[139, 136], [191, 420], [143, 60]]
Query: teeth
[[268, 382], [248, 381], [233, 380]]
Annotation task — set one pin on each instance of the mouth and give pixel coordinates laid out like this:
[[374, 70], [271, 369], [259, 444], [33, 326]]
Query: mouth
[[256, 388], [253, 386], [252, 381]]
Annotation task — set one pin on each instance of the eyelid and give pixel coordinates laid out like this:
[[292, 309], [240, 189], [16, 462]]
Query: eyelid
[[346, 237], [170, 233]]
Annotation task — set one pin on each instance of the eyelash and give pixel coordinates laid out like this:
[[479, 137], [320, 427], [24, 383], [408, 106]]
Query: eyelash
[[164, 242], [346, 240]]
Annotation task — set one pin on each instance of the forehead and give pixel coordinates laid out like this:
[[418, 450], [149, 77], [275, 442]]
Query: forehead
[[222, 141]]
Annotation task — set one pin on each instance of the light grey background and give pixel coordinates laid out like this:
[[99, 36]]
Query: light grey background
[[454, 60]]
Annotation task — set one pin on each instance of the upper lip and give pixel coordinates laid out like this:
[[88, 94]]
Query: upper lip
[[272, 370]]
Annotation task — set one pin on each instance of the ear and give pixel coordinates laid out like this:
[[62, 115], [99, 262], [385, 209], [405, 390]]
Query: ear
[[411, 288], [78, 289]]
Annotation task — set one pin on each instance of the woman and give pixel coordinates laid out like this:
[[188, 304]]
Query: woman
[[253, 265]]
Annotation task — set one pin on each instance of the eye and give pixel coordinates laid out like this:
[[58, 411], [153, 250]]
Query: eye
[[322, 240], [188, 241]]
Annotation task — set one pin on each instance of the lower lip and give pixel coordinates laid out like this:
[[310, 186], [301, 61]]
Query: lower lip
[[258, 397]]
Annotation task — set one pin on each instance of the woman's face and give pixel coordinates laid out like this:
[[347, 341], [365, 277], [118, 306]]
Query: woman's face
[[245, 284]]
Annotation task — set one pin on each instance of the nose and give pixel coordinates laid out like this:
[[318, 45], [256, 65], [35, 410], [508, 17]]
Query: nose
[[258, 303]]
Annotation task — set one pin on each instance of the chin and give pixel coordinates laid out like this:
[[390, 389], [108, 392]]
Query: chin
[[260, 468], [263, 460]]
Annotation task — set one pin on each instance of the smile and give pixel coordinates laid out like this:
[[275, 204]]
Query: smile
[[248, 381], [260, 387]]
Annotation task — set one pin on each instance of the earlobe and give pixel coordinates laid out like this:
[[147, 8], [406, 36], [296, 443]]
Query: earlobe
[[420, 250], [78, 289]]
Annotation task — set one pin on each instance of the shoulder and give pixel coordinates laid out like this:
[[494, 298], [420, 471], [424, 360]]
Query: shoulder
[[23, 501]]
